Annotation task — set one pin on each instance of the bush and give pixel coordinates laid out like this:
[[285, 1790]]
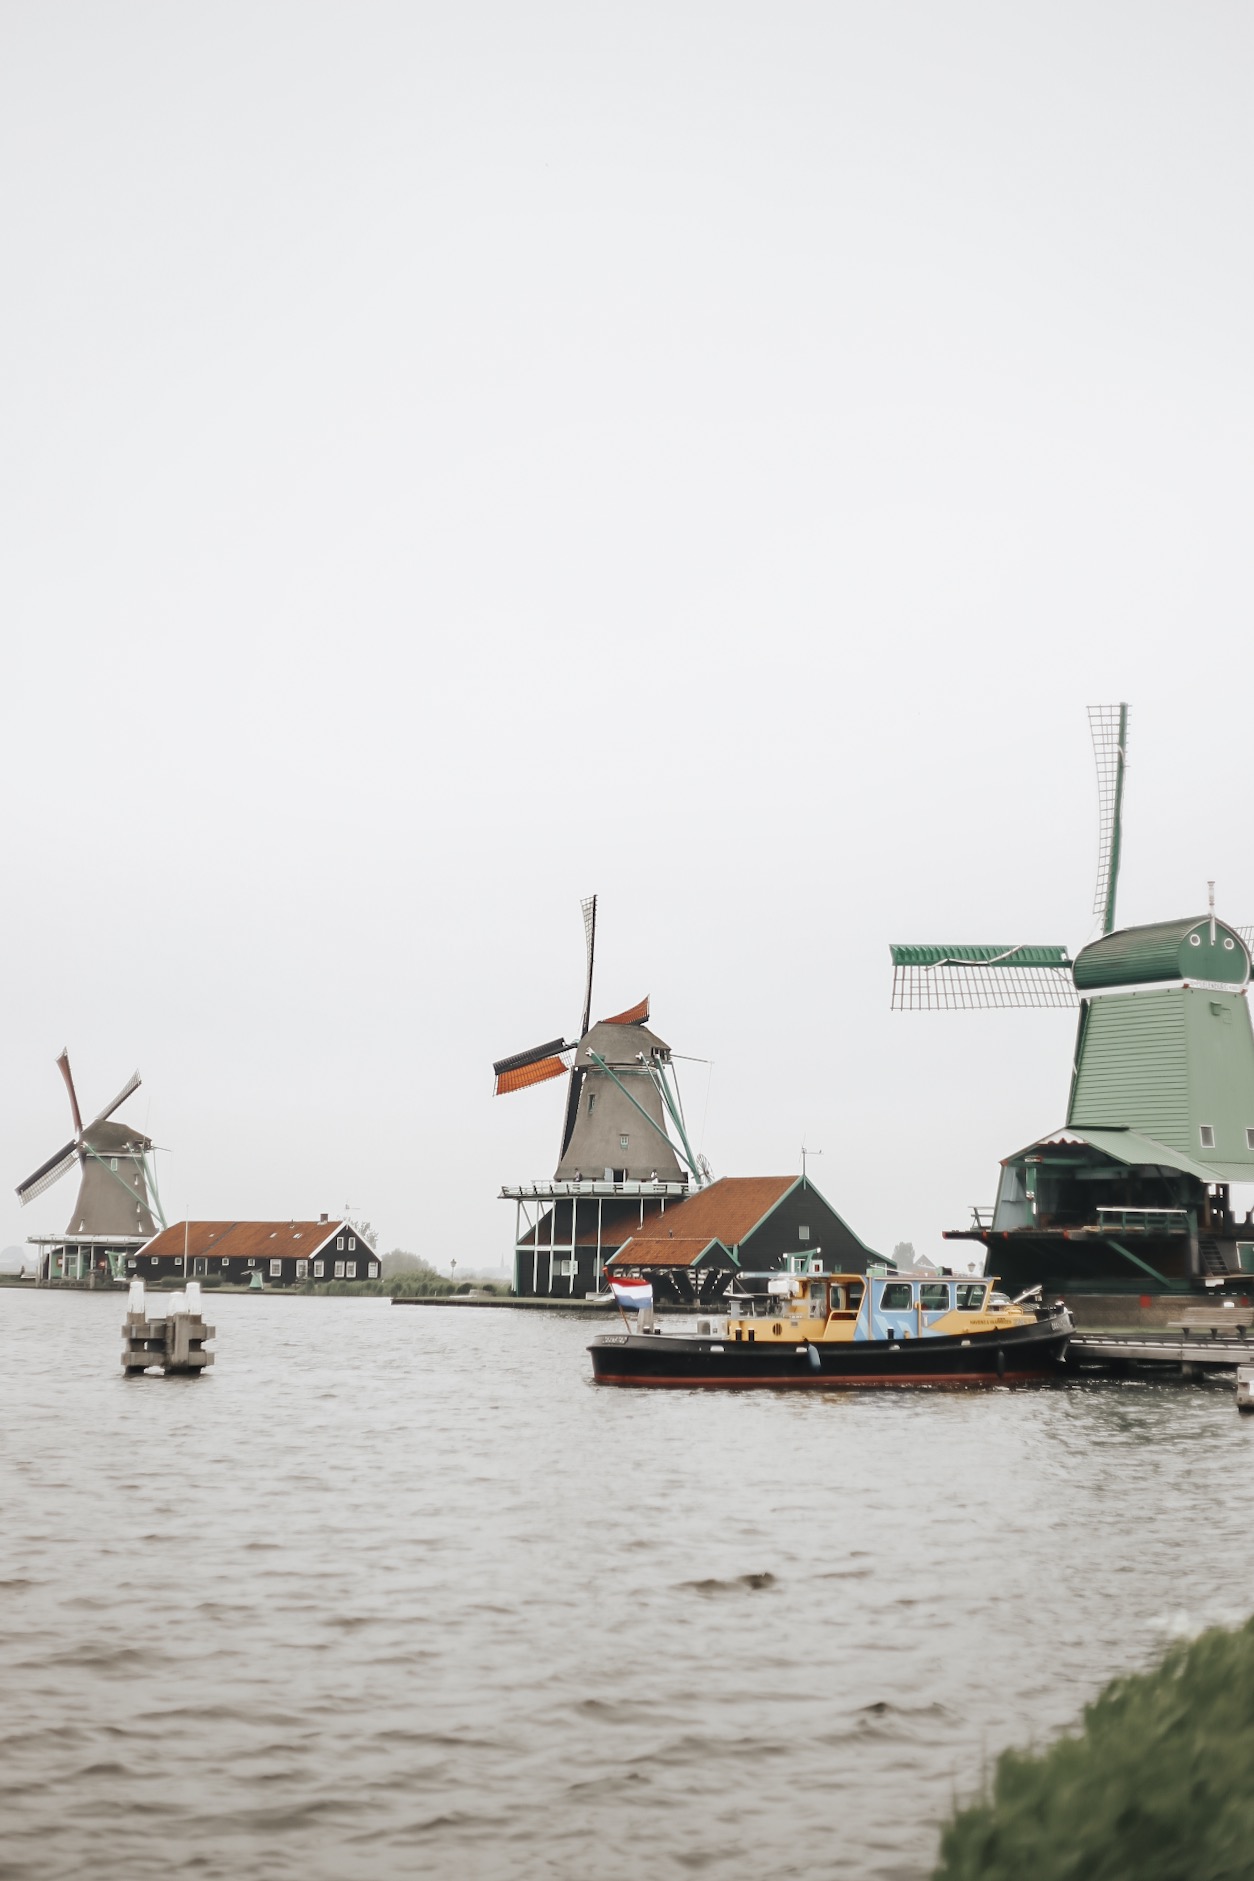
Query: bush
[[1156, 1787]]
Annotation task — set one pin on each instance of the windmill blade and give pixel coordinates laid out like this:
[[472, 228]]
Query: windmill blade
[[589, 909], [940, 979], [1109, 727], [63, 1066], [533, 1067], [132, 1084], [48, 1173]]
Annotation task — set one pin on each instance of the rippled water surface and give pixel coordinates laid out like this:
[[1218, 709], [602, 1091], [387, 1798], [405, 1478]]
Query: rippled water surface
[[398, 1592]]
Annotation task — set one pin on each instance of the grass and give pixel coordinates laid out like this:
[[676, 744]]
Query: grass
[[1158, 1785]]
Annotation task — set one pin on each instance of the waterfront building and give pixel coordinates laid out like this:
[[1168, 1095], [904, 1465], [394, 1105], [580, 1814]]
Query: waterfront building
[[739, 1224], [1132, 1195], [627, 1176], [244, 1253]]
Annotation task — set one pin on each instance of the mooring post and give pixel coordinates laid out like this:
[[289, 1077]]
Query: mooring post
[[173, 1340]]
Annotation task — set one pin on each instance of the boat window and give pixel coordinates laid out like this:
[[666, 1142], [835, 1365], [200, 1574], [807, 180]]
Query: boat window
[[896, 1296], [855, 1299], [934, 1297], [818, 1300], [971, 1298]]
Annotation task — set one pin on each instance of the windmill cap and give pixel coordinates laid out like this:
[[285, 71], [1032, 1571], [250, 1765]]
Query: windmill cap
[[1164, 951]]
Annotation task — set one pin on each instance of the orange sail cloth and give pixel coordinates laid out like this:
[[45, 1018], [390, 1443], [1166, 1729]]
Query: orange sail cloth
[[528, 1074], [635, 1015]]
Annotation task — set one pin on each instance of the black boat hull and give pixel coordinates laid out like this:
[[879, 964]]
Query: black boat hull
[[1018, 1356]]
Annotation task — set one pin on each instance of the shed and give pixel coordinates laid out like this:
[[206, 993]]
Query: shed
[[741, 1223]]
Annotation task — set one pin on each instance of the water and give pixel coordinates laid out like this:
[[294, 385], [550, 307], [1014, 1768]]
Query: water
[[398, 1592]]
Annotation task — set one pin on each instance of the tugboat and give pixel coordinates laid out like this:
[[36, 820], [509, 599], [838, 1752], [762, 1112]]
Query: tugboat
[[834, 1331]]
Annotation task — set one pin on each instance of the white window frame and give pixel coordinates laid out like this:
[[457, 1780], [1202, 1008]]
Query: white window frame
[[1206, 1135], [372, 1270], [320, 1267], [350, 1270], [339, 1270], [803, 1233], [302, 1270], [276, 1270], [340, 1245]]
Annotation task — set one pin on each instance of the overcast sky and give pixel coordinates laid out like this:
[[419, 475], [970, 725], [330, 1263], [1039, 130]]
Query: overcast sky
[[460, 457]]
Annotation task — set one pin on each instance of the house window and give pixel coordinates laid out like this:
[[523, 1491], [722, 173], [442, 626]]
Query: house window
[[592, 1099], [154, 1260], [1195, 940], [276, 1269], [320, 1267], [563, 1267], [350, 1270], [372, 1270], [226, 1260], [803, 1233], [339, 1270], [351, 1244], [302, 1269], [178, 1260], [1249, 1137], [340, 1244], [113, 1163], [1206, 1131], [623, 1141]]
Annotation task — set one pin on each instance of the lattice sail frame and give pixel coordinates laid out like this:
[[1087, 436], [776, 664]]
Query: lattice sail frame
[[1108, 725], [949, 979]]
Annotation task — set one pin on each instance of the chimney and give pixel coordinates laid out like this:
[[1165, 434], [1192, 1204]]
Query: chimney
[[324, 1218]]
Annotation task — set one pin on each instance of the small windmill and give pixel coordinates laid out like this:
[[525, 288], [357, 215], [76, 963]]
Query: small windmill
[[929, 977], [622, 1092], [113, 1195]]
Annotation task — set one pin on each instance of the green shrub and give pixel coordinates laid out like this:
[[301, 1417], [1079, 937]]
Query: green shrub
[[1156, 1787]]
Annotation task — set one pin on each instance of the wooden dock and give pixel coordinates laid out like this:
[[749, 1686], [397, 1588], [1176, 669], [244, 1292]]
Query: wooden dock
[[1178, 1353]]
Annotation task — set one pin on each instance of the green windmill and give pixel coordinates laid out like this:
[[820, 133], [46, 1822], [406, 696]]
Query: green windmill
[[1133, 1193]]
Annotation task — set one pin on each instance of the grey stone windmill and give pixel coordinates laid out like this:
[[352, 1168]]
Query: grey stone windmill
[[624, 1147], [113, 1213]]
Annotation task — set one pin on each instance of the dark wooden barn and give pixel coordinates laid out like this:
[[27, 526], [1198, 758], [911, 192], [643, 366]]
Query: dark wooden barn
[[742, 1224], [282, 1253]]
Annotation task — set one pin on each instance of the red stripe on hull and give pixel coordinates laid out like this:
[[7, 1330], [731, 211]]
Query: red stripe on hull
[[988, 1380]]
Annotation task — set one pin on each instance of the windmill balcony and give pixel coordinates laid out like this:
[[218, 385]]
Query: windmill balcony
[[553, 1190], [1145, 1220]]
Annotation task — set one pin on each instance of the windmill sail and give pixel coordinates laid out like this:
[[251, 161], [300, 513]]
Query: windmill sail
[[533, 1067], [947, 978], [1109, 726], [48, 1173], [132, 1084], [588, 908]]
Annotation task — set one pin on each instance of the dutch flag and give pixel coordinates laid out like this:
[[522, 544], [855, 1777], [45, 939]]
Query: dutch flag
[[632, 1294]]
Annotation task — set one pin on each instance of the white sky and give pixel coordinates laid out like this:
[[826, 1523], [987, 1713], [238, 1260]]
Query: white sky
[[456, 458]]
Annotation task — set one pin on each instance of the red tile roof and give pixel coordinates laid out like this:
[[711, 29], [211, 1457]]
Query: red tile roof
[[682, 1251], [728, 1211], [240, 1239]]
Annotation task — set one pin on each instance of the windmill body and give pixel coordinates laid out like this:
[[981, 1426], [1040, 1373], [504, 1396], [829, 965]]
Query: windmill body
[[1132, 1195], [619, 1131], [114, 1209], [623, 1153]]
